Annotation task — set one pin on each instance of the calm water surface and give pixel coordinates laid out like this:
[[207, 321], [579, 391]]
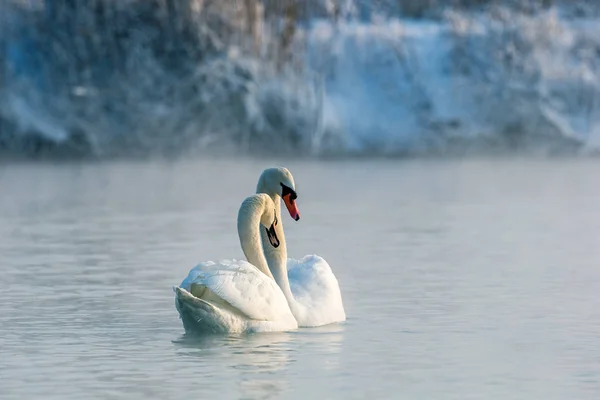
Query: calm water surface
[[461, 280]]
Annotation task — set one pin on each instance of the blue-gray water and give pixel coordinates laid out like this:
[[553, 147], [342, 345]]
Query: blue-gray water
[[461, 280]]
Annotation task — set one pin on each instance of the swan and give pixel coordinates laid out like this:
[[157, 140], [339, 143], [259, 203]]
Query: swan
[[235, 296], [309, 285]]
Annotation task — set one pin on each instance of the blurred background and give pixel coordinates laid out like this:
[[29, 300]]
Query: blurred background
[[114, 78]]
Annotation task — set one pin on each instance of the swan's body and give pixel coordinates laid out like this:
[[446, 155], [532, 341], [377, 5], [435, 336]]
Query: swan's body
[[232, 296], [309, 285], [237, 296]]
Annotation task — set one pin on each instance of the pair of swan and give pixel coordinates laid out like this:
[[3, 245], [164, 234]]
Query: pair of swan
[[269, 292]]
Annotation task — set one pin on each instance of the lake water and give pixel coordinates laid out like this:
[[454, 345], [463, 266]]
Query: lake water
[[473, 279]]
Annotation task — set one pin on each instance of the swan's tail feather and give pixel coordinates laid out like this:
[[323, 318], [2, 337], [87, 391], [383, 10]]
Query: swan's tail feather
[[197, 315]]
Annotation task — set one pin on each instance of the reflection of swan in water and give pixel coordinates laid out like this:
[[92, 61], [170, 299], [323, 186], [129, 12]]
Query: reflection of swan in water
[[267, 352], [237, 296], [263, 363], [257, 363]]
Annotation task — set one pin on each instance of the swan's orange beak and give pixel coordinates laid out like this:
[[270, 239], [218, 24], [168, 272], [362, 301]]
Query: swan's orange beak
[[290, 204]]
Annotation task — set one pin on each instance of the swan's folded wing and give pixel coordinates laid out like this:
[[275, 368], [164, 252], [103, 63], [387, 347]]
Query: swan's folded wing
[[312, 280], [244, 287], [316, 287]]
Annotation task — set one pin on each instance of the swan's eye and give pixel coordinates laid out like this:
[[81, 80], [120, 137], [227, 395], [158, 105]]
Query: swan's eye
[[275, 221], [286, 190]]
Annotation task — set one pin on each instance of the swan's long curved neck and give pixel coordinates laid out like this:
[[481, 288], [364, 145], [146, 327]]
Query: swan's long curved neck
[[277, 262], [277, 257], [248, 225], [271, 254]]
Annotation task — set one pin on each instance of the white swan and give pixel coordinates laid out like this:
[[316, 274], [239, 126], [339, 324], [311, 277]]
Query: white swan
[[236, 296], [309, 285]]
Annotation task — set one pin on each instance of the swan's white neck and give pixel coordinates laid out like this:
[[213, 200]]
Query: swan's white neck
[[277, 261], [277, 257], [248, 225]]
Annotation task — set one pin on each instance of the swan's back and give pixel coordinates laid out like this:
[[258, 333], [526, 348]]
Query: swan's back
[[316, 288]]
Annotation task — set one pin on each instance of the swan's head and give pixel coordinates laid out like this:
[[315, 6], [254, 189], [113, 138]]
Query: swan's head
[[280, 182], [268, 219]]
